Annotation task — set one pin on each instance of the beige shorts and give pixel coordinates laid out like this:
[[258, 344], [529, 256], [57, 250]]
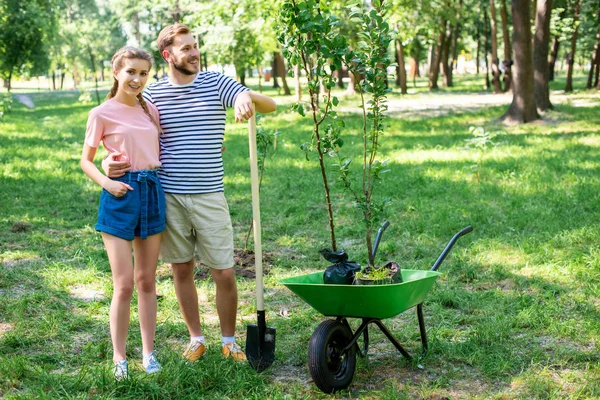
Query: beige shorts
[[201, 222]]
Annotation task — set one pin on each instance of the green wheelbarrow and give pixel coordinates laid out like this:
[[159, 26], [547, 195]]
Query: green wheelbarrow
[[333, 346]]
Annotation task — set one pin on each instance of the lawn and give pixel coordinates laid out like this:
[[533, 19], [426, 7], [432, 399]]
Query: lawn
[[515, 315]]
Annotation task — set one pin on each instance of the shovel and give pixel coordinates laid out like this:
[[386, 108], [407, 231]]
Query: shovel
[[260, 339]]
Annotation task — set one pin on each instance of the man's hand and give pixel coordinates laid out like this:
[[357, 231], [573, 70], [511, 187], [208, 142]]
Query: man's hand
[[113, 168], [243, 107]]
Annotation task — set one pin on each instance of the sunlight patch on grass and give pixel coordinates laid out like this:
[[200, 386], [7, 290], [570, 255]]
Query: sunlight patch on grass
[[592, 141]]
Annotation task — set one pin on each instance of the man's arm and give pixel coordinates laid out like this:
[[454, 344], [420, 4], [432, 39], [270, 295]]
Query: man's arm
[[113, 168], [243, 105]]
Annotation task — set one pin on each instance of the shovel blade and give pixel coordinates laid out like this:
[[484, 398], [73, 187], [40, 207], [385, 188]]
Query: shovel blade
[[260, 346]]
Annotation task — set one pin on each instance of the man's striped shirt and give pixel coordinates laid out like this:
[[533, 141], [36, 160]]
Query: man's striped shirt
[[192, 117]]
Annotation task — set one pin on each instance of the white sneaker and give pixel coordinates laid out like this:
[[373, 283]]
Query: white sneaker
[[120, 370], [151, 364]]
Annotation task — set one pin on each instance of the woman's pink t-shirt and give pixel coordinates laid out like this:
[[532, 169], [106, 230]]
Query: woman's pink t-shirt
[[127, 130]]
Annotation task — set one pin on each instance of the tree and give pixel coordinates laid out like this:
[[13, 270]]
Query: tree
[[571, 58], [522, 108], [27, 29], [310, 37], [541, 42], [595, 61], [495, 61], [507, 62]]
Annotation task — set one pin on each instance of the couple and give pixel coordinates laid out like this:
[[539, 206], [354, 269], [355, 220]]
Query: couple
[[180, 192]]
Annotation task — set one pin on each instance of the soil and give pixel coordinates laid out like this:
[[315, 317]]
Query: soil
[[244, 264]]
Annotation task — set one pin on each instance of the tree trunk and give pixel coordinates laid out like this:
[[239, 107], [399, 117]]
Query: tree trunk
[[243, 78], [298, 87], [62, 79], [486, 46], [445, 61], [93, 63], [282, 73], [507, 62], [571, 59], [274, 71], [478, 51], [522, 108], [351, 90], [401, 68], [595, 64], [434, 68], [495, 61], [541, 41], [553, 56], [8, 82], [53, 80], [340, 76], [454, 49]]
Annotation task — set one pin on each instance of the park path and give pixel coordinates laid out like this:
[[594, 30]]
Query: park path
[[435, 104], [25, 100]]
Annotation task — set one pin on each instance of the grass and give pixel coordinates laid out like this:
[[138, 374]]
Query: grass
[[514, 316]]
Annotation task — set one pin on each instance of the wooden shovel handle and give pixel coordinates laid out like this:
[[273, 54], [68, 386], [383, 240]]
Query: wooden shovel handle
[[260, 306]]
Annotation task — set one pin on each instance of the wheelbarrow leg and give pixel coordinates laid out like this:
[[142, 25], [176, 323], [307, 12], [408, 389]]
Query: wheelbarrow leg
[[362, 329], [423, 331], [391, 338]]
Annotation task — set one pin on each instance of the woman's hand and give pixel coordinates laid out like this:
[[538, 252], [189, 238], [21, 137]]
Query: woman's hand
[[116, 188]]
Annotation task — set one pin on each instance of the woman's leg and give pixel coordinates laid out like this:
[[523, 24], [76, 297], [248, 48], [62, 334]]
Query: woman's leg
[[119, 257], [146, 258]]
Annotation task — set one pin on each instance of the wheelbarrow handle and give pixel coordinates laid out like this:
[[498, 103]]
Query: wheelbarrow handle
[[449, 247], [378, 238]]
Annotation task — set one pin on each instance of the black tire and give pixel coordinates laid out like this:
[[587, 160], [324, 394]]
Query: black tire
[[331, 371]]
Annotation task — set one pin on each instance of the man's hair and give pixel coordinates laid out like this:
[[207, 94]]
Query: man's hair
[[167, 35]]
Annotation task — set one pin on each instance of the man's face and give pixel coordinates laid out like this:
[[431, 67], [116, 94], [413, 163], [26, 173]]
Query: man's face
[[184, 54]]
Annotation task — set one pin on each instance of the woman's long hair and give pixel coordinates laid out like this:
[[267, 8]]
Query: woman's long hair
[[130, 52]]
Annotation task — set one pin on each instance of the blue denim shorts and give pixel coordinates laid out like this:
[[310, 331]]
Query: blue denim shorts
[[140, 212]]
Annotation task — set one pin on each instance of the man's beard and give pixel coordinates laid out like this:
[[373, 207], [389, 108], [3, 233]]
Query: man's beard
[[180, 67]]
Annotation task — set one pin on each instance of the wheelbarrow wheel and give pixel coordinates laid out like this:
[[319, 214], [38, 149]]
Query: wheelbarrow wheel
[[330, 369]]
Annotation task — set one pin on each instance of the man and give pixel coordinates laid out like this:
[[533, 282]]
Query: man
[[192, 108]]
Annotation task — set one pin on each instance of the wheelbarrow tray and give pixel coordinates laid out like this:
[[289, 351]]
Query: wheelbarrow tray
[[363, 301]]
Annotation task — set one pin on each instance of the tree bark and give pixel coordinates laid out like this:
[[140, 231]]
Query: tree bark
[[434, 68], [445, 61], [507, 62], [454, 49], [401, 68], [486, 46], [595, 63], [340, 76], [495, 61], [571, 60], [541, 42], [522, 108], [553, 56], [281, 72], [274, 71]]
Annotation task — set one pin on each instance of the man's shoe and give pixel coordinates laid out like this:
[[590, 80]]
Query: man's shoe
[[234, 351], [194, 351], [151, 364], [120, 370]]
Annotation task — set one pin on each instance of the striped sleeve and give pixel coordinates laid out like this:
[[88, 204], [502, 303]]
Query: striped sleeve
[[228, 90]]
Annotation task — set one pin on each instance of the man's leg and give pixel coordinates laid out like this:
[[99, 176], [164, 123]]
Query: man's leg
[[226, 298], [187, 296]]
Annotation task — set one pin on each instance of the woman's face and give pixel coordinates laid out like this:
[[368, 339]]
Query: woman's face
[[132, 76]]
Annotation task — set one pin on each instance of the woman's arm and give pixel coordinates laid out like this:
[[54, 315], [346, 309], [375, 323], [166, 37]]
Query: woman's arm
[[115, 188]]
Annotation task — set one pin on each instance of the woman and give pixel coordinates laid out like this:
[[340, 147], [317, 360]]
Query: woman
[[131, 213]]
